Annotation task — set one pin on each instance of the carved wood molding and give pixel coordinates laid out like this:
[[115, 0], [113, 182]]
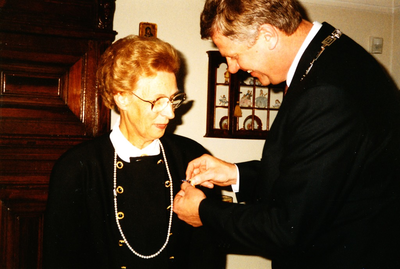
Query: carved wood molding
[[49, 51]]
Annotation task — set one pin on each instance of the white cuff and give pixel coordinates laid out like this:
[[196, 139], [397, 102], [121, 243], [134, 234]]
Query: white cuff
[[235, 187]]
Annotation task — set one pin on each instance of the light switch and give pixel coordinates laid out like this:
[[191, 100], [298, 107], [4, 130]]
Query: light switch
[[376, 45]]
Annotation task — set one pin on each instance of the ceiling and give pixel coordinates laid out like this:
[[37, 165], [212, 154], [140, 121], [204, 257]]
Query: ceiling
[[379, 5]]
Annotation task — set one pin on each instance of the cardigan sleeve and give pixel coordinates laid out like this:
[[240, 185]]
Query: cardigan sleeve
[[65, 217]]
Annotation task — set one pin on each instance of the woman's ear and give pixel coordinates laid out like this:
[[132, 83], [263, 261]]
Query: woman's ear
[[270, 34], [122, 100]]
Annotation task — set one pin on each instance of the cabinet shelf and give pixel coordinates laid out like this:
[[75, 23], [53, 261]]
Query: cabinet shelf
[[238, 106]]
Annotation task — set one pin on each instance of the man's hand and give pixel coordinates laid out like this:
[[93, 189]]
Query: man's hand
[[186, 204], [209, 171]]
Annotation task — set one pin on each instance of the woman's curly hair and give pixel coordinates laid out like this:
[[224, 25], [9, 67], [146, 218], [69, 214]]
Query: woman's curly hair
[[129, 59]]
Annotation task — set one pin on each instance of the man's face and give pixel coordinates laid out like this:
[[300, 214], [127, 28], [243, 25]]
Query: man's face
[[258, 60]]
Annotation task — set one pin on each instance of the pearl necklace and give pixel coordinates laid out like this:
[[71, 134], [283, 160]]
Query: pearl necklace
[[170, 214]]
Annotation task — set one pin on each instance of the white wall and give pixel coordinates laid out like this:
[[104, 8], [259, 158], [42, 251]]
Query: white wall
[[362, 21], [178, 24]]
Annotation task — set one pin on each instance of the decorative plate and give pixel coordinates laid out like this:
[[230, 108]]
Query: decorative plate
[[249, 122], [223, 123]]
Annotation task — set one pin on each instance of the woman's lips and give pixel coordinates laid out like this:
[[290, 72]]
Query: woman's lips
[[161, 125]]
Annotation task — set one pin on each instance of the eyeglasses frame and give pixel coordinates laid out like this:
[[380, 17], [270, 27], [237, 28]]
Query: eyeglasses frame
[[170, 99]]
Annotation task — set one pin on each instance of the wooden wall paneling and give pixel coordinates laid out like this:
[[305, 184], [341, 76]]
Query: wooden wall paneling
[[49, 51], [22, 221]]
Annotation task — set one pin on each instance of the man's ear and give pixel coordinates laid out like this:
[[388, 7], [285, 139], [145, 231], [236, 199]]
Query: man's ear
[[270, 34], [122, 100]]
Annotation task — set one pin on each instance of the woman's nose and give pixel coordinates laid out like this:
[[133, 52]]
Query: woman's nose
[[168, 111]]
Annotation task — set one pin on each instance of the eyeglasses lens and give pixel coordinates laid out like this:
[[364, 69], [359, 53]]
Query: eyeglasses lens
[[177, 100], [162, 103]]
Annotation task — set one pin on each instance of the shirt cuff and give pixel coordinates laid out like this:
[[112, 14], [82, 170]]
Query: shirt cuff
[[235, 187]]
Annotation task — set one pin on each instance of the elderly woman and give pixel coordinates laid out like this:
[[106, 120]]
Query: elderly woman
[[111, 199]]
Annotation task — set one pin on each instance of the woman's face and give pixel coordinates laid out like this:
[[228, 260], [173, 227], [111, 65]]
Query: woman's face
[[139, 123]]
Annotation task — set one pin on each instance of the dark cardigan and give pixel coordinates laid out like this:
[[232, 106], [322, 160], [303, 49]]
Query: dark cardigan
[[80, 226]]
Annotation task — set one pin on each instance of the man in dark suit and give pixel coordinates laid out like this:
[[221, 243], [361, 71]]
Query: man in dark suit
[[326, 192]]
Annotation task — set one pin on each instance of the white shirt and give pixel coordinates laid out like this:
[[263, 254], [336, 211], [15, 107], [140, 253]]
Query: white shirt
[[313, 32], [126, 150]]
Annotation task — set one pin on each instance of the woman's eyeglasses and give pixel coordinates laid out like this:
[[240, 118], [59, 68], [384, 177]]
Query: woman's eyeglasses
[[162, 102]]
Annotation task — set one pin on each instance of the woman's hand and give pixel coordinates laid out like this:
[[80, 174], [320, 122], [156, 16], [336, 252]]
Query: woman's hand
[[186, 204]]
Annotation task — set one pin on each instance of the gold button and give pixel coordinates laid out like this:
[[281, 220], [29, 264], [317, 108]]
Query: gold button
[[160, 161], [120, 165], [172, 257], [120, 215], [123, 267], [120, 189], [121, 243], [167, 184]]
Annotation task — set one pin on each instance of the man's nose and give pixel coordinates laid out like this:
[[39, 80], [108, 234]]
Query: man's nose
[[233, 65]]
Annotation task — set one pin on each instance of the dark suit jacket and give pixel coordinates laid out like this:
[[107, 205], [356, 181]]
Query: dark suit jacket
[[80, 229], [326, 191]]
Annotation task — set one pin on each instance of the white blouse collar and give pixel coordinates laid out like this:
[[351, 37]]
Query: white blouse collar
[[126, 150]]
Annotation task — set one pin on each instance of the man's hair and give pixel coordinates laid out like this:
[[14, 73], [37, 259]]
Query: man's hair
[[241, 19], [129, 59]]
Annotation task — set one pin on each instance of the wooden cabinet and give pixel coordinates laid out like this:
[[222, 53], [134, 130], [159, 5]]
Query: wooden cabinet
[[238, 105], [49, 50]]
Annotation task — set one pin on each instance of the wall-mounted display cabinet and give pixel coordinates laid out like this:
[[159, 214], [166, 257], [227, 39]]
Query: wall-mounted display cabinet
[[238, 105]]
